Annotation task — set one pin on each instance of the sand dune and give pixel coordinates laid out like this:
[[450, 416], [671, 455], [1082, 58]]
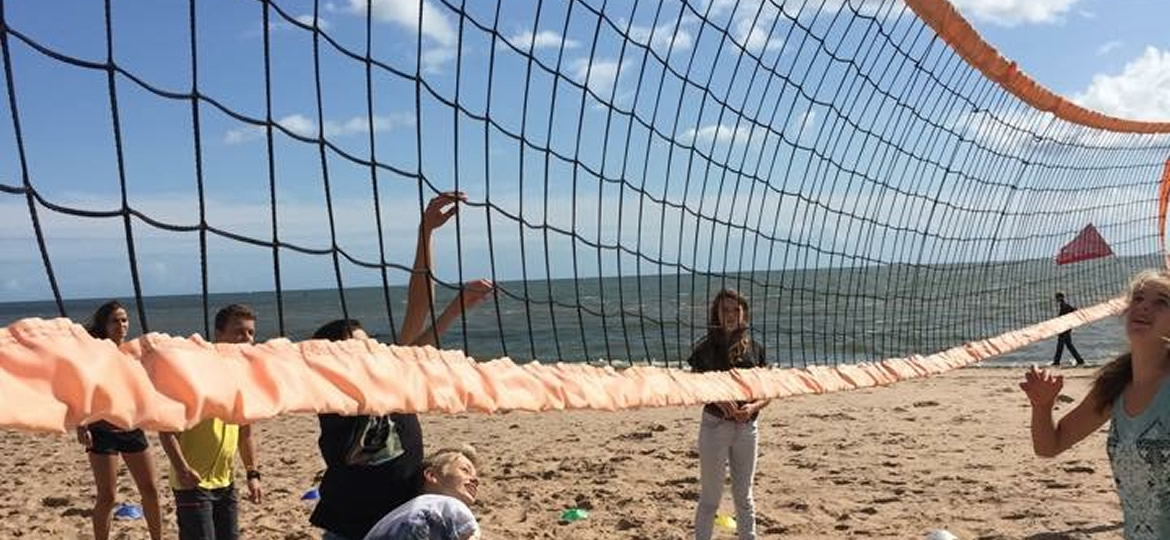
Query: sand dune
[[948, 452]]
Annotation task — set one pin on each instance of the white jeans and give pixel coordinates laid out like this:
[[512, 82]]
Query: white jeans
[[725, 444]]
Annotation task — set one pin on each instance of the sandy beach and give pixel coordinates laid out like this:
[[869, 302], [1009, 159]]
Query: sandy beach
[[949, 452]]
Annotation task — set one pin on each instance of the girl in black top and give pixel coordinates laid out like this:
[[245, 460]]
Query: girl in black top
[[104, 442], [728, 432], [372, 463]]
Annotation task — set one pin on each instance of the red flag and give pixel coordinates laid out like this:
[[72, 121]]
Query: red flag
[[1087, 245]]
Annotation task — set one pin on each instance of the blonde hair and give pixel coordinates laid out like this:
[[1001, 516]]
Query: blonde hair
[[1160, 278], [1113, 377], [441, 460]]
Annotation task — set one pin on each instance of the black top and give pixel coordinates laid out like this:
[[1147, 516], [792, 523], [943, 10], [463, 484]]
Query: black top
[[713, 354], [373, 465], [1066, 308]]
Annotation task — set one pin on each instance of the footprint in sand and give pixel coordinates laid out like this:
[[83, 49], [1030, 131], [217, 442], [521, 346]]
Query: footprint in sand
[[636, 435], [684, 481], [583, 502], [832, 416], [1023, 514], [627, 523], [78, 512], [690, 494], [55, 502], [796, 505]]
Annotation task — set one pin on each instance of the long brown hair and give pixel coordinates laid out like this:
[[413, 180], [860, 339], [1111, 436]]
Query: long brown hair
[[738, 342], [338, 330], [1113, 377], [96, 326]]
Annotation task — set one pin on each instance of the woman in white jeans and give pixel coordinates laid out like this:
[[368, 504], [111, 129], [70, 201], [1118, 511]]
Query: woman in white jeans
[[727, 435]]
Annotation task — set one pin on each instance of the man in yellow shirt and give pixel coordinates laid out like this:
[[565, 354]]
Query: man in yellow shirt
[[203, 457]]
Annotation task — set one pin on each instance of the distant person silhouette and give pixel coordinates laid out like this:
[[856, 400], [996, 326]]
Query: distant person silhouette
[[1065, 338]]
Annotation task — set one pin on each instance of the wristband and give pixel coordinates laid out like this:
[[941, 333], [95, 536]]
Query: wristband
[[253, 475]]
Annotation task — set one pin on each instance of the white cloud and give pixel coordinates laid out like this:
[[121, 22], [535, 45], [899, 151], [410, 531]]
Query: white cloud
[[803, 125], [1140, 92], [307, 20], [405, 13], [716, 132], [299, 124], [242, 135], [1108, 47], [441, 34], [723, 134], [663, 37], [1013, 12], [543, 39], [751, 32], [305, 126], [352, 216], [601, 74], [748, 8], [434, 58], [1087, 14]]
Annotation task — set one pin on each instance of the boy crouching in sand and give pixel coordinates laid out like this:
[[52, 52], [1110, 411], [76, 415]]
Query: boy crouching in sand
[[450, 483]]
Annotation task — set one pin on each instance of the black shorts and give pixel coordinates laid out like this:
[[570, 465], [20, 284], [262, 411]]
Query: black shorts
[[112, 442]]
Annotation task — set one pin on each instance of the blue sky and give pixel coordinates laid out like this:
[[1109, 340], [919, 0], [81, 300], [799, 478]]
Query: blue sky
[[1107, 55]]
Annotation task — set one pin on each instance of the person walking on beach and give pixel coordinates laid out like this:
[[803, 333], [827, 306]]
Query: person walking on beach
[[1133, 392], [1064, 339], [373, 463], [728, 430], [203, 457], [104, 442]]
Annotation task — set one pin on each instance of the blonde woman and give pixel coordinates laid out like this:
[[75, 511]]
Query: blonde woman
[[1132, 393]]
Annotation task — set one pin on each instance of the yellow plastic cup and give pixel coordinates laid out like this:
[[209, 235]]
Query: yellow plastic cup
[[725, 522]]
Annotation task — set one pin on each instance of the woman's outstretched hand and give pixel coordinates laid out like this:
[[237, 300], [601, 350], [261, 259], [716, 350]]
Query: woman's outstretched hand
[[1042, 387]]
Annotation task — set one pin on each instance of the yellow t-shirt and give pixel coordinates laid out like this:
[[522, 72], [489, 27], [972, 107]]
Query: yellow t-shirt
[[210, 449]]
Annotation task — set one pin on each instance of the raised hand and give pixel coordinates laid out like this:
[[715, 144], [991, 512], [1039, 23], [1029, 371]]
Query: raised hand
[[1042, 387], [441, 208], [475, 292]]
